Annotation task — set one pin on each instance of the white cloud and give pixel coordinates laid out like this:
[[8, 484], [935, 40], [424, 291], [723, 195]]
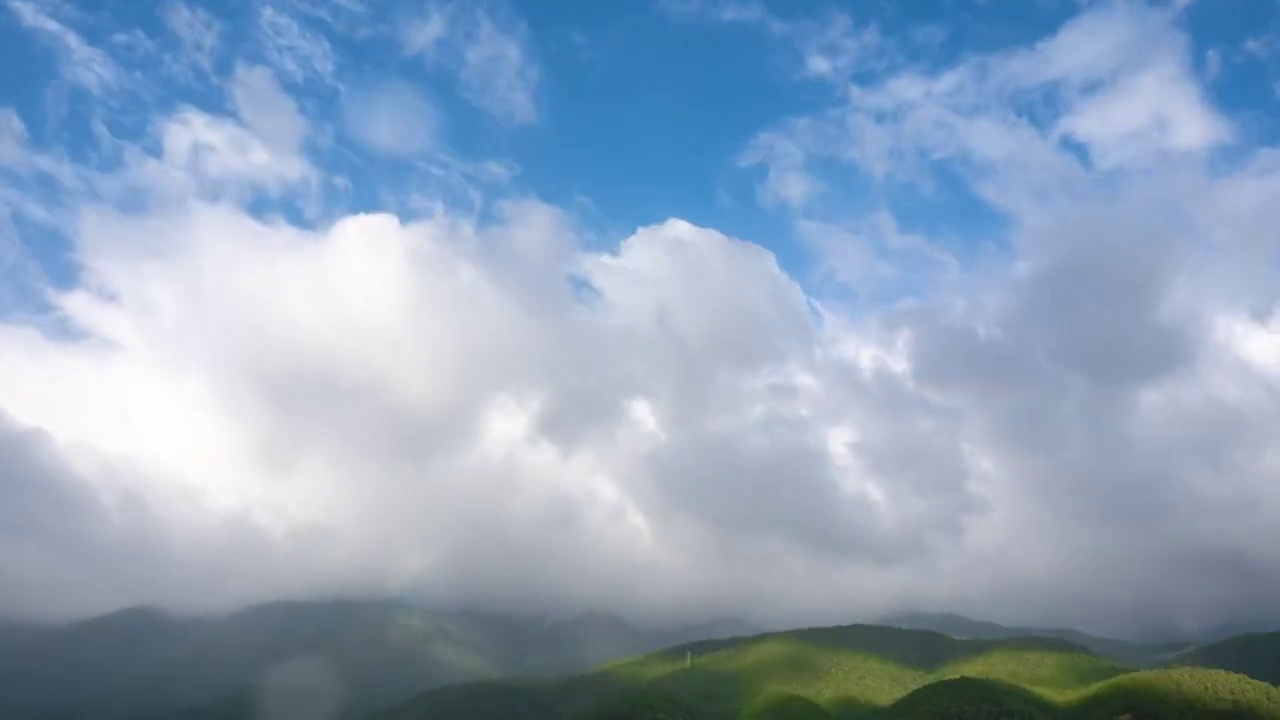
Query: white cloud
[[392, 403], [725, 11], [299, 54], [830, 48], [487, 46], [786, 179], [1126, 76], [877, 259], [1212, 64], [236, 377], [342, 302], [222, 156], [1117, 80], [313, 404], [391, 117], [1260, 46], [351, 17], [13, 137], [1156, 110], [199, 33], [209, 154], [81, 62], [266, 109], [837, 48], [1149, 100]]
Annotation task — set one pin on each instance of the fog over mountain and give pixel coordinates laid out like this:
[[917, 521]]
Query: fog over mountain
[[490, 305]]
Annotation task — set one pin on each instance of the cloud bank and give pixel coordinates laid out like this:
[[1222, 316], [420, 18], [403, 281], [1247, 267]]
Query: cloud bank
[[1076, 426]]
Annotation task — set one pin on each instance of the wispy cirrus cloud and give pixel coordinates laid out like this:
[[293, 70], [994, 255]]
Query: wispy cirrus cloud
[[298, 53], [488, 47], [830, 47], [198, 32], [81, 62], [1117, 80]]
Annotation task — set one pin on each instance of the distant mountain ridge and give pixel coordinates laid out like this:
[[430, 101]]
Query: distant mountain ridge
[[959, 626], [1254, 654], [374, 653], [356, 657]]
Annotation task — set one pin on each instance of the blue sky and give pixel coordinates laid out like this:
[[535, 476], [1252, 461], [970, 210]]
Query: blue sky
[[630, 112], [967, 305]]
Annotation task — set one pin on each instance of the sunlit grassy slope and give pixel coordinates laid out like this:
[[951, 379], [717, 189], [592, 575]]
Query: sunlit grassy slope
[[862, 671], [1178, 694]]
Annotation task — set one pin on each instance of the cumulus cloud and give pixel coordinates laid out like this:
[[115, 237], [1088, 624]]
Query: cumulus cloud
[[72, 547], [495, 410], [325, 381], [260, 151]]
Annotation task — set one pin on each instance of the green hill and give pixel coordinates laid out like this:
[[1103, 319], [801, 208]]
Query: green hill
[[643, 704], [507, 700], [1179, 694], [968, 698], [849, 671], [870, 672], [1255, 654], [1183, 694]]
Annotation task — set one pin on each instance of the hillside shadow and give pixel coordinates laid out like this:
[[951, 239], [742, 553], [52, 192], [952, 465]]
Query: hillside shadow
[[480, 700], [850, 708], [967, 697], [716, 694]]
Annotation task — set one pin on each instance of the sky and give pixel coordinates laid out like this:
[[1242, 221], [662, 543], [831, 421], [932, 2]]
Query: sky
[[800, 312]]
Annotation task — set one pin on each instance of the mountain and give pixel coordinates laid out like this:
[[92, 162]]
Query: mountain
[[362, 655], [860, 671], [958, 626], [1256, 655], [11, 631], [389, 661]]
